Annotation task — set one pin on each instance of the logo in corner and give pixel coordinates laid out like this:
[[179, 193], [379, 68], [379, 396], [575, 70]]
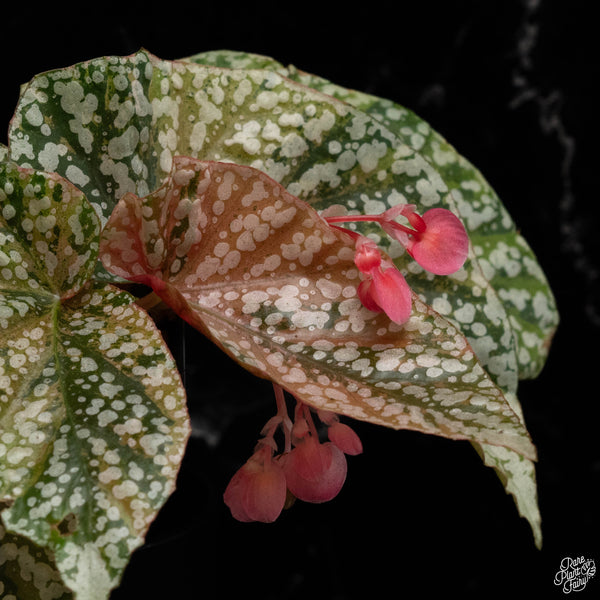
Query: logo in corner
[[574, 573]]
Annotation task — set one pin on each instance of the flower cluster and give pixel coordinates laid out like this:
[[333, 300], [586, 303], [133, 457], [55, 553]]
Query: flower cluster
[[437, 240], [308, 469]]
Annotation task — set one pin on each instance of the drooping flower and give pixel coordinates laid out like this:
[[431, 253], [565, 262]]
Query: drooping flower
[[384, 287], [257, 491], [307, 469], [314, 471]]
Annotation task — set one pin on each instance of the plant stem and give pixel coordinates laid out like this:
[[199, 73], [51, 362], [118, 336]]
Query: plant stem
[[149, 301], [282, 413], [372, 218]]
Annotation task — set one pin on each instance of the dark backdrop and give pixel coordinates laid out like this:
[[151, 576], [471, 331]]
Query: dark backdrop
[[511, 84]]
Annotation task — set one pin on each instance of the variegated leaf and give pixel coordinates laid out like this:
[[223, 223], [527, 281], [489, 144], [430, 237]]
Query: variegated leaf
[[321, 149], [325, 151], [49, 235], [28, 571], [506, 260], [274, 285], [236, 59], [92, 410]]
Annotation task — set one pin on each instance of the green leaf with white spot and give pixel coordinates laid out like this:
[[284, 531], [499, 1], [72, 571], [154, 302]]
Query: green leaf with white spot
[[92, 410], [275, 286], [322, 150], [115, 124], [504, 260], [236, 59], [28, 571], [507, 261]]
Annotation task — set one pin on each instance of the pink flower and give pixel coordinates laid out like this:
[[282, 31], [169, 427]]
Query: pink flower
[[440, 243], [343, 436], [383, 288], [257, 491], [310, 470], [438, 240], [314, 472]]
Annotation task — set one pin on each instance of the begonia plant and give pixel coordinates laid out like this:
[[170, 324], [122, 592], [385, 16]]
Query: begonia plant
[[326, 240]]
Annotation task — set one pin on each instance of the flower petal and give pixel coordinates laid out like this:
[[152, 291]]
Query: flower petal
[[315, 472], [395, 211], [265, 495], [345, 438], [233, 496], [364, 295], [368, 255], [257, 491], [442, 248], [391, 292]]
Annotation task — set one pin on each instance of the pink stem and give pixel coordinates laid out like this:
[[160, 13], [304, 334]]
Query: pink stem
[[282, 413], [349, 218], [372, 218], [309, 420], [353, 234]]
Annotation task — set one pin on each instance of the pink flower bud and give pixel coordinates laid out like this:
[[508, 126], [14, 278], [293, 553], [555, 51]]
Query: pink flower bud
[[315, 472], [345, 438], [257, 491], [416, 221]]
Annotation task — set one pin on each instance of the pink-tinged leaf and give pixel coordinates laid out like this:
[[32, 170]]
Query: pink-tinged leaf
[[275, 286], [524, 291], [442, 245]]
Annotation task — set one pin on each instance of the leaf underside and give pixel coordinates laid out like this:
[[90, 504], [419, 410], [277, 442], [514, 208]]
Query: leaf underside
[[262, 274]]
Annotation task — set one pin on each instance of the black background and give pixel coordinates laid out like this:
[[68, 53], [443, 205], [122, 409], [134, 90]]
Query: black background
[[511, 84]]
